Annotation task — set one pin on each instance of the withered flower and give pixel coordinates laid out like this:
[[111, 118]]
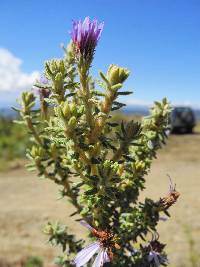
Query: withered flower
[[166, 202]]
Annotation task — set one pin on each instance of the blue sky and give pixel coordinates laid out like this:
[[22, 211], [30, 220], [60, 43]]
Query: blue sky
[[158, 40]]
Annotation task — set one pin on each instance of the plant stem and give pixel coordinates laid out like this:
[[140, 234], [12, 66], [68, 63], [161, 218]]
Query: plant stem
[[65, 183], [83, 73], [34, 132]]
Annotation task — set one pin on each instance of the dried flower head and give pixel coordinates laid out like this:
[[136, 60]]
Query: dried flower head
[[167, 201], [85, 35], [104, 245]]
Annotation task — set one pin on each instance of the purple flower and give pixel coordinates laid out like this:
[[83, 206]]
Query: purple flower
[[86, 254], [85, 35], [44, 90], [155, 250], [96, 247], [157, 258]]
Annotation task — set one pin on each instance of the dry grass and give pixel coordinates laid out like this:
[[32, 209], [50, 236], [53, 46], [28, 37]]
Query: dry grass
[[27, 203]]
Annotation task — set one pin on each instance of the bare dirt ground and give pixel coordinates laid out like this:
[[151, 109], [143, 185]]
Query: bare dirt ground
[[28, 202]]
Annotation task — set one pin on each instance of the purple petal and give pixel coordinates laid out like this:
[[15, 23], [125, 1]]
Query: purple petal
[[150, 256], [86, 254], [163, 259], [105, 257], [43, 80], [162, 218], [99, 259], [85, 35], [42, 92], [156, 260], [83, 223], [86, 24], [153, 256]]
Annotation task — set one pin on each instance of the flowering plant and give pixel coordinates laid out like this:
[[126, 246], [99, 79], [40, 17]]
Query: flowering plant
[[99, 164]]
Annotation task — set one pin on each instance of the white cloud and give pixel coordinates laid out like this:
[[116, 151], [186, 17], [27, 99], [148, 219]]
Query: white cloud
[[12, 78]]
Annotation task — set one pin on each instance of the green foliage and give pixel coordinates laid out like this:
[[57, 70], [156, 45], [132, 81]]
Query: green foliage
[[33, 262], [78, 137], [59, 236], [13, 140], [193, 252]]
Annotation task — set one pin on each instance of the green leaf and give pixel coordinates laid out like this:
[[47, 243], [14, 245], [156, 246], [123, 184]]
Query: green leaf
[[125, 93]]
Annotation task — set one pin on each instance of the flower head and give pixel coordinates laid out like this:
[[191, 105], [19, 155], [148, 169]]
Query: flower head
[[157, 258], [85, 35], [155, 253], [103, 246]]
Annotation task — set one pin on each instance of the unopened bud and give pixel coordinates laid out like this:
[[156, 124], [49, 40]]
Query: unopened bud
[[120, 170], [139, 165], [72, 122], [28, 100], [48, 230], [117, 75], [53, 67], [73, 108], [66, 109]]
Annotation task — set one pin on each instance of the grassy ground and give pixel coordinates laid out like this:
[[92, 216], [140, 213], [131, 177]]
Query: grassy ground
[[28, 202]]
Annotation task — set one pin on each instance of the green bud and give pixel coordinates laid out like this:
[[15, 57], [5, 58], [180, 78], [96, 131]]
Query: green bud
[[106, 163], [117, 75], [58, 83], [48, 229], [72, 122], [33, 151], [73, 108], [59, 77], [53, 67], [36, 153], [151, 135], [66, 109], [115, 167], [28, 99]]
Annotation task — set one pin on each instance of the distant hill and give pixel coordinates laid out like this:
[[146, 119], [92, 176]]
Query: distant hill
[[136, 110], [144, 110], [8, 112], [130, 109]]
